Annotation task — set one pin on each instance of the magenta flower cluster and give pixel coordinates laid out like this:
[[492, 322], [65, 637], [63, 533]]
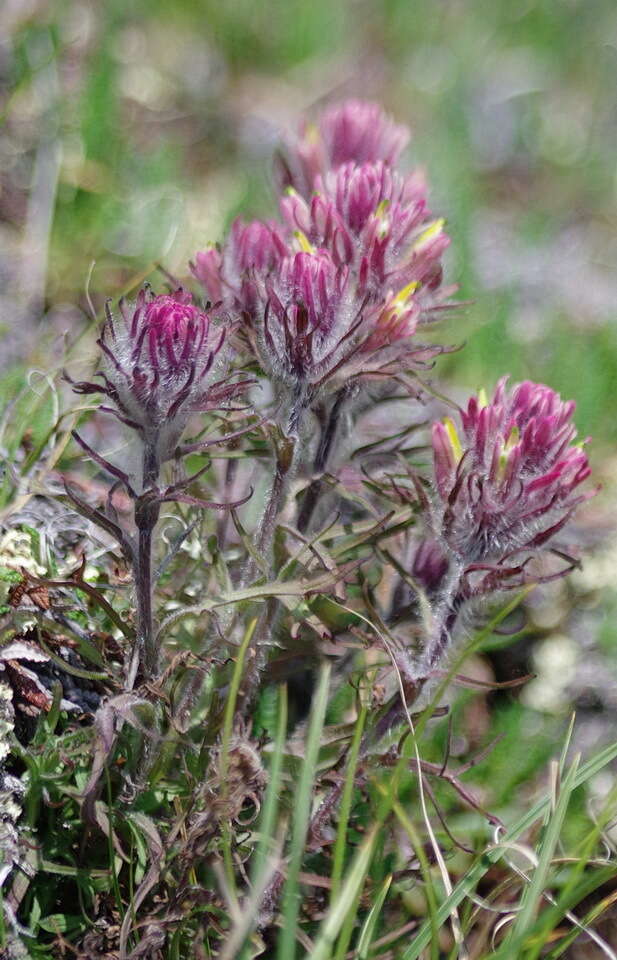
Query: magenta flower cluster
[[337, 290], [160, 366], [509, 480]]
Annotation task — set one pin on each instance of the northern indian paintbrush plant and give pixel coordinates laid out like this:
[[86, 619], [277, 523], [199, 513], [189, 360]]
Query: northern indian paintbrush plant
[[307, 325]]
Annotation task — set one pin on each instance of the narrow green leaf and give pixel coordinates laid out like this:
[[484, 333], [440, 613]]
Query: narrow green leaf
[[338, 857], [228, 723], [270, 805], [60, 923], [513, 943], [286, 947], [368, 929], [346, 900]]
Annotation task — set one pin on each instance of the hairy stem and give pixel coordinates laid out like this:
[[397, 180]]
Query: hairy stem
[[285, 461], [453, 598], [286, 456], [328, 435], [284, 466], [146, 517]]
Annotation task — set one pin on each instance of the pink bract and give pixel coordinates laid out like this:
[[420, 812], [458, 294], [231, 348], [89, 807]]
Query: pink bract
[[227, 275], [509, 481], [355, 131]]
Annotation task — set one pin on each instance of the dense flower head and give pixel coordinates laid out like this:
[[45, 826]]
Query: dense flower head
[[507, 482], [311, 302], [304, 305], [338, 291], [354, 130], [314, 333], [159, 365], [360, 130], [356, 193], [374, 220], [171, 329], [308, 283]]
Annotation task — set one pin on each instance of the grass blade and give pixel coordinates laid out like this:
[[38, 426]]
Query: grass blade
[[525, 918], [228, 723], [270, 806], [345, 901], [470, 880], [366, 935], [286, 947], [338, 856]]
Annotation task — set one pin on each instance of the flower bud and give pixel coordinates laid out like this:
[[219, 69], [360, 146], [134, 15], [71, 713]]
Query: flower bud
[[430, 566], [159, 366], [305, 311], [227, 276]]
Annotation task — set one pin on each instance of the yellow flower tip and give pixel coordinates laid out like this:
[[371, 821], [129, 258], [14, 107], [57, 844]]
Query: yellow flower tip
[[503, 460], [398, 303], [381, 215], [303, 242], [453, 437], [403, 296], [482, 398], [433, 230]]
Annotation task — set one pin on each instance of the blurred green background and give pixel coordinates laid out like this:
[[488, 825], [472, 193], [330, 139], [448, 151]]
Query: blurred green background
[[133, 130]]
